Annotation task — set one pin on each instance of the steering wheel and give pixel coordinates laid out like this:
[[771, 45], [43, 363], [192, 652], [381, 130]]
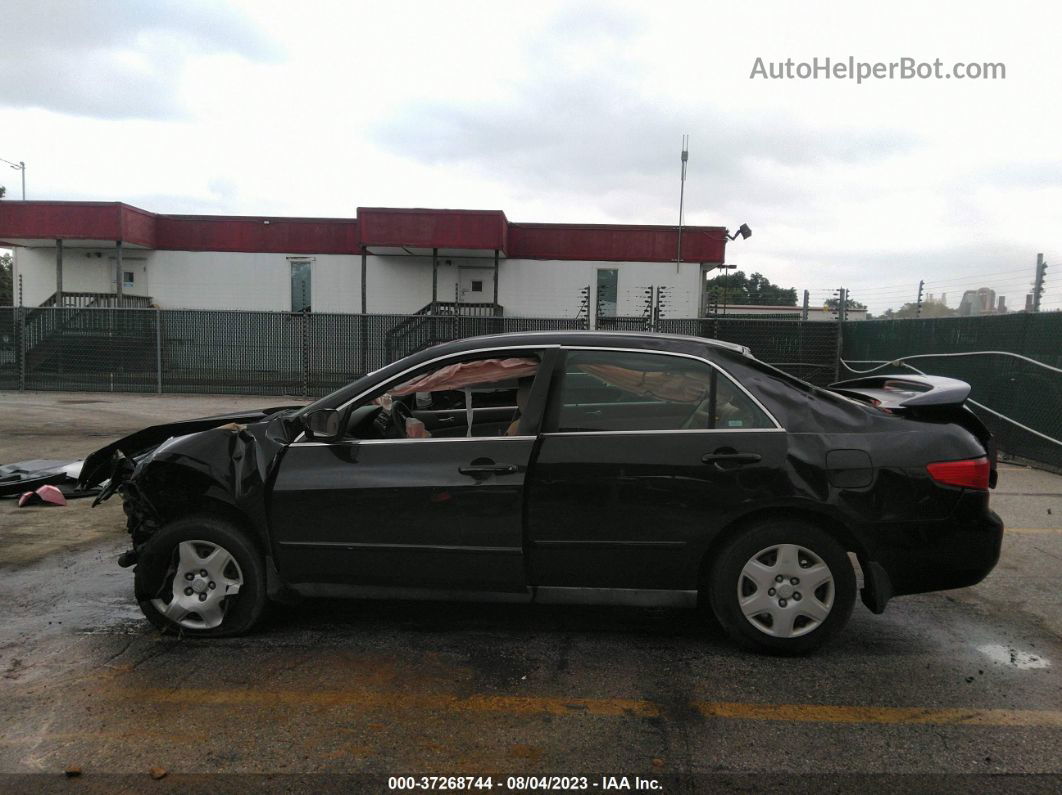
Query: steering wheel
[[399, 414]]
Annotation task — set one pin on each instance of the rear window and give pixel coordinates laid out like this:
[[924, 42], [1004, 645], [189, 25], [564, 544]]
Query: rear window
[[621, 391]]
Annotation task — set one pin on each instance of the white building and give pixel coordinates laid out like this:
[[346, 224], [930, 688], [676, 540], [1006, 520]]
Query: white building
[[382, 261]]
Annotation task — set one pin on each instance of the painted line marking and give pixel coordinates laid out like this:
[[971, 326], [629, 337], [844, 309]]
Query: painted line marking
[[603, 707], [1027, 494]]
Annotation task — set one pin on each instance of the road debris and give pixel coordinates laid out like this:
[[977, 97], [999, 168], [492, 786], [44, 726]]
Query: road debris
[[45, 495]]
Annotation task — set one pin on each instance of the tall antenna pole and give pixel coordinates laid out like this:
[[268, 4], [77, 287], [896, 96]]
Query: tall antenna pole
[[682, 198]]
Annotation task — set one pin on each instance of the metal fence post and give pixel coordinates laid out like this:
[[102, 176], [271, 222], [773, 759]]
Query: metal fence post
[[158, 350], [20, 317], [305, 349], [840, 349]]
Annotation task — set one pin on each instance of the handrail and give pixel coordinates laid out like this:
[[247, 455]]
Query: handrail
[[418, 330], [43, 321]]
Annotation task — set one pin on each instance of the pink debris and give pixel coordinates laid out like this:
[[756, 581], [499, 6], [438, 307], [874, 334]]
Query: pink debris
[[52, 494], [45, 494]]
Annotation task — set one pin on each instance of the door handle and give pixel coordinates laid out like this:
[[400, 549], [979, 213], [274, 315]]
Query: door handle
[[727, 461], [486, 470]]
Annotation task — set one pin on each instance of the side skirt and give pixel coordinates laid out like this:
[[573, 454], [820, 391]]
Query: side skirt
[[625, 597]]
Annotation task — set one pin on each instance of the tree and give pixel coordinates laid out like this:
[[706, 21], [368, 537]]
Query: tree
[[3, 190], [6, 293], [737, 288], [930, 308], [833, 303]]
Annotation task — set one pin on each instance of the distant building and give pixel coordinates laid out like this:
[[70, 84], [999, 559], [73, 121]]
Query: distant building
[[979, 302]]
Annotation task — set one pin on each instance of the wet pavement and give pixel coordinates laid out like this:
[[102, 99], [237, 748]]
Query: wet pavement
[[940, 688]]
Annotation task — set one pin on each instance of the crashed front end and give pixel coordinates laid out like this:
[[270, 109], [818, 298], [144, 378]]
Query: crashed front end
[[216, 465]]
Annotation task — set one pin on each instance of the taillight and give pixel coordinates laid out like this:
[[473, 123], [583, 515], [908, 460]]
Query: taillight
[[970, 473]]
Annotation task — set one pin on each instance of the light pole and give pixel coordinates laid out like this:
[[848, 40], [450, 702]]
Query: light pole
[[19, 166], [726, 272]]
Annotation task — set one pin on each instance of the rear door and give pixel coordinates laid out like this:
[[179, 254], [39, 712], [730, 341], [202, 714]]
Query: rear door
[[645, 455]]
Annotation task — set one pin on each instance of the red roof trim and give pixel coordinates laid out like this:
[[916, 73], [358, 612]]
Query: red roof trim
[[376, 226]]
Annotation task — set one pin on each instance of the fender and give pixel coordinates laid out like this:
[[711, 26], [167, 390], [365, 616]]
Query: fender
[[227, 468]]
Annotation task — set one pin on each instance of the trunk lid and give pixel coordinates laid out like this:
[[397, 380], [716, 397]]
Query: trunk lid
[[929, 397]]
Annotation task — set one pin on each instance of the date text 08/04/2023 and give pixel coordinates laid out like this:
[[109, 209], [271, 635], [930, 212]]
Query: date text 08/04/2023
[[524, 783]]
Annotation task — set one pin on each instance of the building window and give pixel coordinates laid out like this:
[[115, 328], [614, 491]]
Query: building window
[[300, 285], [477, 287], [127, 279], [607, 291]]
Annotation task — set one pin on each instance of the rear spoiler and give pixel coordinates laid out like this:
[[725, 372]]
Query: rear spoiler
[[925, 396], [905, 391]]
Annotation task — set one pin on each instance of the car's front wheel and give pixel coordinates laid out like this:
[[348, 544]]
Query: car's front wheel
[[782, 586], [201, 576]]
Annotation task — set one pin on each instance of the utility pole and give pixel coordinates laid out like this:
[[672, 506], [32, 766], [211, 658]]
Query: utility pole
[[19, 166], [726, 286], [804, 309], [918, 303], [682, 197], [1038, 286]]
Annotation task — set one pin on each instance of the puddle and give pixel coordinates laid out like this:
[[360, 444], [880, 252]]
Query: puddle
[[1007, 655]]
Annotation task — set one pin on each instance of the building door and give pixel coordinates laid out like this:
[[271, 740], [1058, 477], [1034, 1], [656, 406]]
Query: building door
[[134, 275], [607, 292], [300, 285], [475, 285]]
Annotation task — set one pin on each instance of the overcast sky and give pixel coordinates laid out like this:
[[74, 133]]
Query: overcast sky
[[567, 112]]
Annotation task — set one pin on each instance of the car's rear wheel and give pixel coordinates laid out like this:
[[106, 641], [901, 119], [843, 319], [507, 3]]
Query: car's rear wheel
[[782, 587], [201, 576]]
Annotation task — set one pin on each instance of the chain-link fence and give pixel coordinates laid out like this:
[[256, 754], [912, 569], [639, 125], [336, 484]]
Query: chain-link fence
[[807, 349], [238, 352], [1012, 362], [223, 352]]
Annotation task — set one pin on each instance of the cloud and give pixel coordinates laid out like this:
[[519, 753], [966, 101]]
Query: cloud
[[583, 122], [115, 59], [1030, 175]]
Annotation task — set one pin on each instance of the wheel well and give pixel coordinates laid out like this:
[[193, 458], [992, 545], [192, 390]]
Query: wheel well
[[217, 509], [840, 532], [176, 493]]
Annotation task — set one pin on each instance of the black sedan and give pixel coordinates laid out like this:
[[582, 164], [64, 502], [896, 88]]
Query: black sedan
[[567, 467]]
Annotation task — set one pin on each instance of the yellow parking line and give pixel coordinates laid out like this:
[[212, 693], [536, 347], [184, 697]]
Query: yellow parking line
[[823, 713], [603, 707], [1033, 530]]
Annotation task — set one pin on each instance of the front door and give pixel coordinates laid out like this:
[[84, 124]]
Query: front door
[[645, 456], [476, 285], [429, 507], [420, 512]]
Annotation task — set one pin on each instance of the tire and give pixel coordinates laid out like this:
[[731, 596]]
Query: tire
[[228, 601], [796, 617]]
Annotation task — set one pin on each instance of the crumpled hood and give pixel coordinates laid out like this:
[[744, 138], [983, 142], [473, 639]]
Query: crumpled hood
[[98, 465]]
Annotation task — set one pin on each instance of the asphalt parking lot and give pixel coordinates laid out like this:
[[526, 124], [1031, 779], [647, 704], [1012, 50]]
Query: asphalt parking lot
[[941, 688]]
